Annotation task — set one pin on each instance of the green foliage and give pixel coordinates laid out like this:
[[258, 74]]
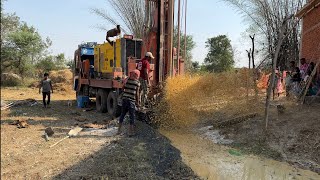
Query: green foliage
[[195, 65], [46, 64], [23, 50], [50, 63], [10, 79], [220, 55], [70, 64], [60, 61]]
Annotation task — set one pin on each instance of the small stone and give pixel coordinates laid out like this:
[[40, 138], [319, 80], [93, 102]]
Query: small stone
[[49, 131]]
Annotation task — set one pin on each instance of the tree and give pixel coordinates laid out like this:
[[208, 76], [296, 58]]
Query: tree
[[22, 48], [220, 55], [46, 64], [132, 14], [9, 24], [60, 61], [70, 64], [195, 65], [265, 19]]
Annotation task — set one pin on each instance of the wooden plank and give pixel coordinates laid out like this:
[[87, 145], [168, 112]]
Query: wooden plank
[[305, 90]]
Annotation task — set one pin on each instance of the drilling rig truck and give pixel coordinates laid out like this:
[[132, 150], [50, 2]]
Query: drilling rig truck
[[100, 69]]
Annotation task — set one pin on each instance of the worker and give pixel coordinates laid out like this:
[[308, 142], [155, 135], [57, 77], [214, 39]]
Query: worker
[[303, 67], [130, 99], [46, 86], [113, 32], [144, 67]]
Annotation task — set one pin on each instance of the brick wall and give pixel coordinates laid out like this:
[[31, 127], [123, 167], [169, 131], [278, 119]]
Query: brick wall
[[310, 47]]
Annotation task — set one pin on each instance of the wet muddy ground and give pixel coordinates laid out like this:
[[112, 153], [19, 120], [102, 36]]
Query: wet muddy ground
[[212, 161], [293, 136]]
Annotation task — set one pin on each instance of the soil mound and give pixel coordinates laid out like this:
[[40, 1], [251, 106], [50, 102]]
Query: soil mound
[[10, 79], [61, 80]]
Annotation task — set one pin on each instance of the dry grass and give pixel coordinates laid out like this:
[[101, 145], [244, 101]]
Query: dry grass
[[62, 80], [190, 99]]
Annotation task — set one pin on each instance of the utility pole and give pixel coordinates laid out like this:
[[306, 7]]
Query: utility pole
[[170, 36], [185, 31], [178, 48]]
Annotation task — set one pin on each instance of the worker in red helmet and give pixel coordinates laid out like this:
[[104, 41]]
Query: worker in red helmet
[[130, 99], [113, 32], [144, 67]]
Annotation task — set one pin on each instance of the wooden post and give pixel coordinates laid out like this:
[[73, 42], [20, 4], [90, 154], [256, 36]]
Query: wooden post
[[247, 74], [185, 31], [252, 52], [178, 48], [274, 66], [249, 57], [170, 36], [305, 90]]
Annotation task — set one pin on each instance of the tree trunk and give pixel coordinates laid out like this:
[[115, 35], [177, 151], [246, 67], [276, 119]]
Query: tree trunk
[[274, 66]]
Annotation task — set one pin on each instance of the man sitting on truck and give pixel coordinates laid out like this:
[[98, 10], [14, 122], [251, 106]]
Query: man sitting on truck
[[144, 67], [113, 32], [130, 100]]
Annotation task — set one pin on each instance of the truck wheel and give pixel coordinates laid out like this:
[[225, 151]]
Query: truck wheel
[[114, 109], [101, 100]]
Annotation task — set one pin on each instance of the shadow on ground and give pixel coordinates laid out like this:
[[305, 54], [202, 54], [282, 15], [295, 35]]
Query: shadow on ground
[[148, 155]]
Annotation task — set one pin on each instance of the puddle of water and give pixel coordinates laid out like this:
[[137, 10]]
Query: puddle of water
[[214, 162], [214, 135]]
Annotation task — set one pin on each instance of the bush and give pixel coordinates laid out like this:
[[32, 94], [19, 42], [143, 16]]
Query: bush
[[10, 79]]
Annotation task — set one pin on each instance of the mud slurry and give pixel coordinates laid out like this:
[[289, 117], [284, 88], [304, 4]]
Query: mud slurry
[[215, 162]]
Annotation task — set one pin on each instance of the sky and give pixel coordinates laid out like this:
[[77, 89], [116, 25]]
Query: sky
[[70, 22]]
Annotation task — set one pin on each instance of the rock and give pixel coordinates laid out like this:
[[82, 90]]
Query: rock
[[281, 109], [49, 131], [23, 124]]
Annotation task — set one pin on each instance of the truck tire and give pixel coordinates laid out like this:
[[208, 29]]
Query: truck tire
[[114, 109], [101, 100]]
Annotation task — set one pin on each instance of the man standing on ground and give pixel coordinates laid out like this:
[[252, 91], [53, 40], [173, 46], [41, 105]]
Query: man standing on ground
[[144, 67], [130, 100], [290, 73], [113, 32], [46, 86]]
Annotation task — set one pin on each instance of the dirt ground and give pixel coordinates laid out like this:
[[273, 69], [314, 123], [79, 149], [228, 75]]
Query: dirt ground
[[26, 155], [181, 154], [293, 136]]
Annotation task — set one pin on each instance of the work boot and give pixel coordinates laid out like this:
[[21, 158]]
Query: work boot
[[119, 128]]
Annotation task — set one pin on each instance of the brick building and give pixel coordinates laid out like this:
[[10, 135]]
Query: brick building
[[310, 40]]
